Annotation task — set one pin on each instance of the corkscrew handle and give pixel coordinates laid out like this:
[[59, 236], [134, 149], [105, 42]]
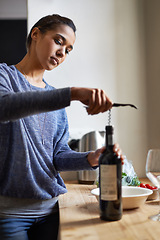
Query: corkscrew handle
[[123, 105]]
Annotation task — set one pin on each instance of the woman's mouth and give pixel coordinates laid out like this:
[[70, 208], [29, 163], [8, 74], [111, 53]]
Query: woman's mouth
[[54, 61]]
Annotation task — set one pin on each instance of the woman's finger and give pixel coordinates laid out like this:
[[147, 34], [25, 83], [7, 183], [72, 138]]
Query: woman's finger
[[102, 103]]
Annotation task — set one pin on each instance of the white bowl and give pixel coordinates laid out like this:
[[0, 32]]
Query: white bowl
[[132, 197], [154, 195]]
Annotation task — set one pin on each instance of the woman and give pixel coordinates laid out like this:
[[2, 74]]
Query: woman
[[34, 133]]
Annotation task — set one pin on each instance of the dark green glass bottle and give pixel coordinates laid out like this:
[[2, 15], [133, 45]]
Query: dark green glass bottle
[[110, 176]]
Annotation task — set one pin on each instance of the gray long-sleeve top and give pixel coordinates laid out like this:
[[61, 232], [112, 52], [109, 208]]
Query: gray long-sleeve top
[[28, 168]]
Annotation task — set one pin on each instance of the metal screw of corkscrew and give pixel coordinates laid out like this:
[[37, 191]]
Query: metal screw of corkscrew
[[118, 105], [109, 117]]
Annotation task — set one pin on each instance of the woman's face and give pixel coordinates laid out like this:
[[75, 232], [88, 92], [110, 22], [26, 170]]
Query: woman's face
[[52, 47]]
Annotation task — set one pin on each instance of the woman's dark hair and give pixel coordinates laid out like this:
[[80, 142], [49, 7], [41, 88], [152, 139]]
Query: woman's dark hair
[[50, 22]]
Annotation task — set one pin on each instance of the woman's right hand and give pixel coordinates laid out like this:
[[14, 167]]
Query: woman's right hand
[[96, 100]]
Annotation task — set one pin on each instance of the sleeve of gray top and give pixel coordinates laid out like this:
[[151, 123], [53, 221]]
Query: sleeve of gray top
[[22, 104]]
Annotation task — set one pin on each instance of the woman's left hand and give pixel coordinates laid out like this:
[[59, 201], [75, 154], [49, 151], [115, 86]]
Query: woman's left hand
[[93, 157]]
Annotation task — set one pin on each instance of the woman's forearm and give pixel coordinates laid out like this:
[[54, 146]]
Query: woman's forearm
[[18, 105]]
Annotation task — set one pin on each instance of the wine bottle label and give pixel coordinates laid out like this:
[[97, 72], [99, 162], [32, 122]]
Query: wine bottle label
[[108, 182]]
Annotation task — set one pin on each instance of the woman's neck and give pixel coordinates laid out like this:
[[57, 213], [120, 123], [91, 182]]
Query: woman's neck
[[33, 74]]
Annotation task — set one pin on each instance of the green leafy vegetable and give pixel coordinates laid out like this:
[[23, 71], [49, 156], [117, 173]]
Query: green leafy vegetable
[[130, 181]]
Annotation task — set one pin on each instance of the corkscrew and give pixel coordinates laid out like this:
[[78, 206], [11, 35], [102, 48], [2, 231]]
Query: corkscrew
[[118, 105], [123, 105]]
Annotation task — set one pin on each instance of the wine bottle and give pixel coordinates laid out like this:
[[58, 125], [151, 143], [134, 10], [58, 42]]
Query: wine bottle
[[110, 175]]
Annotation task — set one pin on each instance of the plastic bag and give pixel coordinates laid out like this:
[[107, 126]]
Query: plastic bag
[[129, 176]]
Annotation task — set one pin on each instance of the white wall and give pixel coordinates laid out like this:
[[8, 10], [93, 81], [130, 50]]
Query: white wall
[[13, 9], [153, 71], [109, 54], [131, 80]]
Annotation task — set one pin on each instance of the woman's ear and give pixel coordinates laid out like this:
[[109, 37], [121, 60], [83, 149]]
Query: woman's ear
[[35, 33]]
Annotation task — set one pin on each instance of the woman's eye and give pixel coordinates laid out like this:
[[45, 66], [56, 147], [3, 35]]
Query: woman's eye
[[57, 41], [67, 51]]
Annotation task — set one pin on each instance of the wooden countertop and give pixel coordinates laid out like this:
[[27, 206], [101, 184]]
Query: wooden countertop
[[79, 218]]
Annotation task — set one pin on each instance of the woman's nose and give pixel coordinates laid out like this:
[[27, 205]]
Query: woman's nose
[[61, 52]]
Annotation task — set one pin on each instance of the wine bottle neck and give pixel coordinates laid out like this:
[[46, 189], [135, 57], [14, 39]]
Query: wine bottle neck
[[109, 140], [109, 136]]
